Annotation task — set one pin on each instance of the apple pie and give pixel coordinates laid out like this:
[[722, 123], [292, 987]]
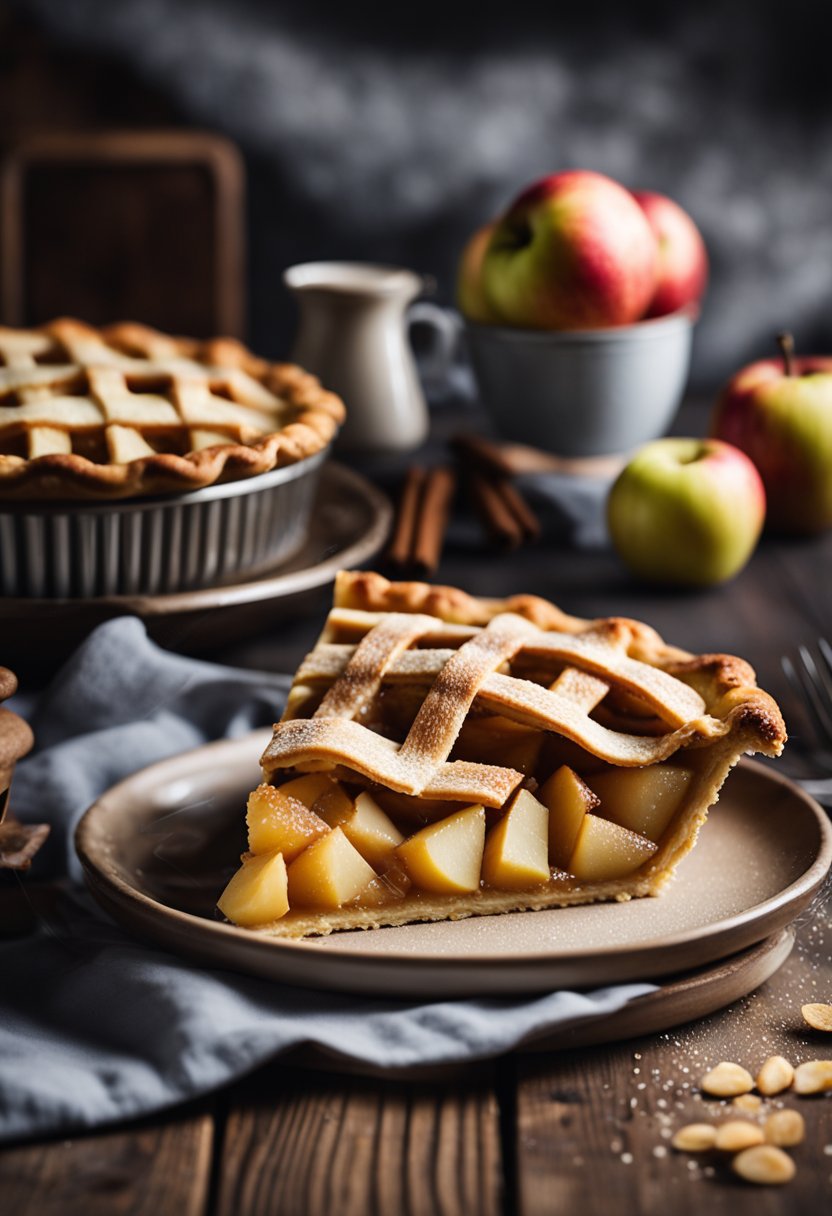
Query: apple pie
[[442, 756], [126, 411]]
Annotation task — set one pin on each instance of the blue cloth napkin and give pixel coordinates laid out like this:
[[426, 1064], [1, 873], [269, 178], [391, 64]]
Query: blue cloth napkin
[[96, 1027]]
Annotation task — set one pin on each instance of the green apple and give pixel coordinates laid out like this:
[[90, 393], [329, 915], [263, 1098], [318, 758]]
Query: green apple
[[686, 511], [779, 412], [470, 293], [683, 260], [574, 251]]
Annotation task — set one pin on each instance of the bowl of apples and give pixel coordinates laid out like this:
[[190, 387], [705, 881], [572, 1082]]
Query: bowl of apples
[[579, 304]]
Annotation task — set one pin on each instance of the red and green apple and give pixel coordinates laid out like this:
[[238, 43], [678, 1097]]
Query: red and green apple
[[686, 511], [683, 260], [779, 412], [574, 251]]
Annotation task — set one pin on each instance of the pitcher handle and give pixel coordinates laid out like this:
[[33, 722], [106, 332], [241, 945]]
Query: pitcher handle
[[445, 329]]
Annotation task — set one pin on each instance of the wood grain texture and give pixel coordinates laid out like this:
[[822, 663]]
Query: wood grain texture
[[161, 1170], [309, 1145], [594, 1126]]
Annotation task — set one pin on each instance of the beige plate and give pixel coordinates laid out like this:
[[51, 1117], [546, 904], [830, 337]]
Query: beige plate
[[350, 522], [158, 848]]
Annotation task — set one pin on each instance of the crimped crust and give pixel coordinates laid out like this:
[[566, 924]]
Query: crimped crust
[[232, 414], [709, 706]]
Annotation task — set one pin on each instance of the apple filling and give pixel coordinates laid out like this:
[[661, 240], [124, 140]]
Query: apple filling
[[317, 843], [441, 756]]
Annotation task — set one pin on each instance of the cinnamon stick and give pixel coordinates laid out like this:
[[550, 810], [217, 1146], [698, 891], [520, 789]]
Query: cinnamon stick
[[432, 520], [491, 506], [400, 552], [495, 495], [520, 509], [474, 449]]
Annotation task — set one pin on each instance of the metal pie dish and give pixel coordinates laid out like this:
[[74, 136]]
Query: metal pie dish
[[160, 545]]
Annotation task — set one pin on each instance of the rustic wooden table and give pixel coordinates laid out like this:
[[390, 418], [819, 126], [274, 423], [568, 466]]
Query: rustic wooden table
[[585, 1130]]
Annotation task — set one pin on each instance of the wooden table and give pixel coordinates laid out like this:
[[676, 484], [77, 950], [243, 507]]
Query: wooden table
[[581, 1131]]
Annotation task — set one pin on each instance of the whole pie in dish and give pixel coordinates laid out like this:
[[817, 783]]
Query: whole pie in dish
[[442, 756], [127, 411]]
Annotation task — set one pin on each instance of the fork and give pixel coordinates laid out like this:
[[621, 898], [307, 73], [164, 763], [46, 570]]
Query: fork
[[810, 677]]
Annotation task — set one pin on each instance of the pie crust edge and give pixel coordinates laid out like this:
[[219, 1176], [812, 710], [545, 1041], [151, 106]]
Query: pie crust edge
[[318, 413]]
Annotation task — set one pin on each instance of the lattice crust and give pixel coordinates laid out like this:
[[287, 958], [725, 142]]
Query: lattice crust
[[412, 650], [402, 679], [127, 411]]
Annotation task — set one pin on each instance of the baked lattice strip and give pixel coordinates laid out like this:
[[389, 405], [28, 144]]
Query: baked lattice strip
[[364, 668], [600, 651], [313, 743], [669, 697], [458, 678]]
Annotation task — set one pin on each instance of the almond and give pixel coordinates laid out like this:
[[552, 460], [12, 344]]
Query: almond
[[784, 1128], [727, 1080], [819, 1017], [737, 1134], [813, 1077], [695, 1138], [765, 1165], [776, 1075]]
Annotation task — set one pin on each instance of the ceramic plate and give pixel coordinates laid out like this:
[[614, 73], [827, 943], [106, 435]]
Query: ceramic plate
[[350, 522], [158, 848]]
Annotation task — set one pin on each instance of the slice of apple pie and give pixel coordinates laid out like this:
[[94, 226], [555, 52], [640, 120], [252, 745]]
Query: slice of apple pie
[[442, 756]]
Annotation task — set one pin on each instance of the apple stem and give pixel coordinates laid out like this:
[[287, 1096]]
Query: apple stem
[[786, 343]]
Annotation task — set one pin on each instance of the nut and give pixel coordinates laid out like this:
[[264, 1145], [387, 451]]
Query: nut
[[727, 1080], [765, 1165], [813, 1077], [737, 1134], [749, 1102], [695, 1138], [819, 1017], [785, 1128], [776, 1075]]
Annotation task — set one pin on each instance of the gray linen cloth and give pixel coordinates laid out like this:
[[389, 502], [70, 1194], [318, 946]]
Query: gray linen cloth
[[96, 1027]]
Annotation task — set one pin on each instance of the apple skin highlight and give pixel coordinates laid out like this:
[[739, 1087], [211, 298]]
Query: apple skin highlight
[[784, 424], [686, 512], [574, 251]]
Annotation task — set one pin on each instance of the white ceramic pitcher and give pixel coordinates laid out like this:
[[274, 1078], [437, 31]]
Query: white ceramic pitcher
[[354, 335]]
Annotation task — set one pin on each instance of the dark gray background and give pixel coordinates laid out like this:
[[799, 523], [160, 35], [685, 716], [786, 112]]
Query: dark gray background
[[389, 131]]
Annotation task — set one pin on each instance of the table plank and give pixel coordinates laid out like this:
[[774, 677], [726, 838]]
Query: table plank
[[595, 1124], [307, 1144], [150, 1170]]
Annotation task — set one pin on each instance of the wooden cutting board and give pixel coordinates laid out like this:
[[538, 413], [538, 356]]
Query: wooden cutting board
[[140, 225]]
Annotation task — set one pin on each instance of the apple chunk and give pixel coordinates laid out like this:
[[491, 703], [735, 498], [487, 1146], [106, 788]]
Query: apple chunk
[[642, 799], [256, 894], [371, 831], [446, 857], [329, 873], [517, 848], [569, 799], [319, 792], [605, 850], [277, 822]]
